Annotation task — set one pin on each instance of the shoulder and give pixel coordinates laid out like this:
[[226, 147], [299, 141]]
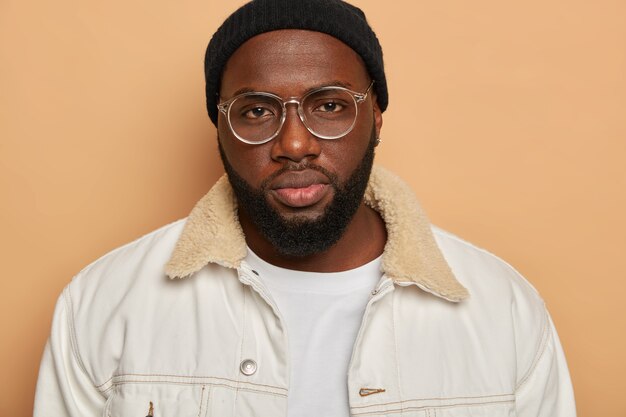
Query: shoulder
[[145, 254], [499, 295], [122, 279], [483, 273], [123, 276]]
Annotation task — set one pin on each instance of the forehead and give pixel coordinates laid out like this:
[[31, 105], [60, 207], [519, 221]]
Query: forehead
[[290, 62]]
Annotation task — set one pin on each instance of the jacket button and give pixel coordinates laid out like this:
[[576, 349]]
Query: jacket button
[[248, 367]]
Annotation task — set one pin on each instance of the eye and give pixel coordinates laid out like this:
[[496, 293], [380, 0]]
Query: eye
[[330, 107], [257, 112]]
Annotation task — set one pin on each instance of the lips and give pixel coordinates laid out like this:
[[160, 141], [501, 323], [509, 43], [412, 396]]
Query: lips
[[299, 189]]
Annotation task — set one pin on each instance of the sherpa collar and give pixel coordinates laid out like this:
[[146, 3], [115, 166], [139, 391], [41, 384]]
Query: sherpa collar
[[213, 234]]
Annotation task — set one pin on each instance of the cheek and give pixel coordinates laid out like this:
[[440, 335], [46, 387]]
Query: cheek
[[250, 162], [355, 144], [343, 156]]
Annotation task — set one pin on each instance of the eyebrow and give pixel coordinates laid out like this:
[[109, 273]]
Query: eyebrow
[[334, 83]]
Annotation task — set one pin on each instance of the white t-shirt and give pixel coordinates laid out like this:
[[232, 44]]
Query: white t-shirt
[[323, 313]]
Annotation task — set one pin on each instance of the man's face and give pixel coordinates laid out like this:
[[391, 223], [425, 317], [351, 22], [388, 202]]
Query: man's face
[[297, 183]]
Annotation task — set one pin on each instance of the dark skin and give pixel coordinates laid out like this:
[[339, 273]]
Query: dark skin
[[289, 63]]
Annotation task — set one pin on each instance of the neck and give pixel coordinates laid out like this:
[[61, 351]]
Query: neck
[[363, 241]]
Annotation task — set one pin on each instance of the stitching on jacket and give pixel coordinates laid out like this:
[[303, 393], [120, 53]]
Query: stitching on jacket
[[434, 408], [107, 405], [477, 397], [214, 385], [105, 383], [72, 328], [545, 336], [395, 340], [201, 400], [238, 388], [208, 401], [243, 338], [187, 377]]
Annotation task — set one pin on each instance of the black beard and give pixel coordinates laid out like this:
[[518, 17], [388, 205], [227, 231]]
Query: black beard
[[300, 237]]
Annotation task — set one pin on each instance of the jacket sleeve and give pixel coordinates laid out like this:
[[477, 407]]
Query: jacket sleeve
[[64, 388], [546, 390]]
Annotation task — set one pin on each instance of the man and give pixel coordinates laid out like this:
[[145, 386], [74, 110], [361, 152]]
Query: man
[[305, 283]]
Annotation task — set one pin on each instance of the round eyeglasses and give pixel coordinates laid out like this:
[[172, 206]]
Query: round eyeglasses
[[327, 112]]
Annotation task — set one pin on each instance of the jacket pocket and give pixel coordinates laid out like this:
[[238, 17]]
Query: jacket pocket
[[493, 409], [486, 406], [158, 400]]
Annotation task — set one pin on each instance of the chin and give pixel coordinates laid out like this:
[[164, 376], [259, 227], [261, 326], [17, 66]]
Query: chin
[[300, 215]]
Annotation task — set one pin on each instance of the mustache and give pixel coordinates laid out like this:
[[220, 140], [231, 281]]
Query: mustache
[[293, 166]]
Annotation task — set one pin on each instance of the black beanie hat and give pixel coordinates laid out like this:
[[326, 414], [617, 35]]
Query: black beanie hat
[[333, 17]]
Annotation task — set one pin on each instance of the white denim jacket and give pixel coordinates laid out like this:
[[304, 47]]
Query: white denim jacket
[[127, 341]]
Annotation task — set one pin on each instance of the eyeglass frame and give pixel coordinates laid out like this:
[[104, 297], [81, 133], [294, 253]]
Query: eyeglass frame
[[358, 98]]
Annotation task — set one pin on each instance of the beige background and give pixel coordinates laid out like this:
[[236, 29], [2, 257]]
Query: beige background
[[507, 118]]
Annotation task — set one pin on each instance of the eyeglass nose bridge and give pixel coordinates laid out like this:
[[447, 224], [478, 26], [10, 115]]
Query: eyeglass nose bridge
[[298, 103]]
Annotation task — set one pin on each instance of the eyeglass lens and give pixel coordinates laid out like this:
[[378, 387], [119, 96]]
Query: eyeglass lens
[[328, 113]]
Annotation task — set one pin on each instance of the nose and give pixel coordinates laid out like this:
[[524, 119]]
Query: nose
[[294, 141]]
